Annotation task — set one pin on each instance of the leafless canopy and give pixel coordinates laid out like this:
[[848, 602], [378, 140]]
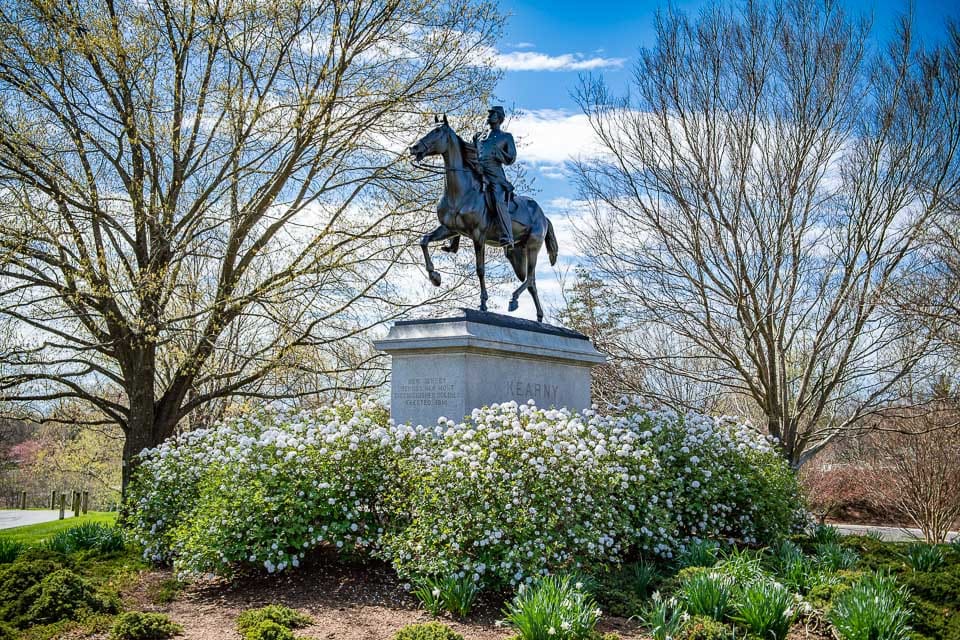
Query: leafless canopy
[[766, 182], [202, 199], [916, 466]]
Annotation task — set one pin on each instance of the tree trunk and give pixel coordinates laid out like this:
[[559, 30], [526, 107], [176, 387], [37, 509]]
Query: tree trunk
[[139, 434], [143, 430]]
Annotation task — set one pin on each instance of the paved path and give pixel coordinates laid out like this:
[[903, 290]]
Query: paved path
[[16, 518], [893, 534]]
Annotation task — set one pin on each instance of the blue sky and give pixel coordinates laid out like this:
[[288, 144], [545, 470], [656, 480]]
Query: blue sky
[[610, 30], [548, 44]]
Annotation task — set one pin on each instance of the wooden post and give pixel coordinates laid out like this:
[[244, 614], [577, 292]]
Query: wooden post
[[85, 502], [23, 499], [76, 504], [53, 499], [63, 504]]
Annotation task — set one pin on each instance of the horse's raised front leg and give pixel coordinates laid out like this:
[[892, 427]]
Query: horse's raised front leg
[[479, 253], [438, 234]]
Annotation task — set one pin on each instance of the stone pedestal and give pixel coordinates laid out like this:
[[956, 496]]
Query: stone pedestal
[[450, 366]]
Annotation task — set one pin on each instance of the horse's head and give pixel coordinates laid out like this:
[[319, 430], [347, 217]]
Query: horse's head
[[434, 143]]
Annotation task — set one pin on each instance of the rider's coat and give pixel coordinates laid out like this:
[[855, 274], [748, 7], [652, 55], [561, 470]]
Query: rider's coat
[[494, 150]]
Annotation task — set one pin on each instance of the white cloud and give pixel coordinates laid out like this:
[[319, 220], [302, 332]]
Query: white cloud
[[552, 171], [536, 61], [565, 215], [523, 45], [553, 137]]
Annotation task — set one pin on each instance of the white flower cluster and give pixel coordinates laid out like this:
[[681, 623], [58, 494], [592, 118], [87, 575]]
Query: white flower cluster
[[510, 493]]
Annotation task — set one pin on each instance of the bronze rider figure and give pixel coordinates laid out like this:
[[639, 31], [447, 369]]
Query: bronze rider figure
[[496, 148]]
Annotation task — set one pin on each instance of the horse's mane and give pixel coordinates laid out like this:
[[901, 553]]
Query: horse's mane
[[468, 152]]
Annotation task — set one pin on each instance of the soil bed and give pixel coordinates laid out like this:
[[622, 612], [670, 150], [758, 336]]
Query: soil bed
[[360, 602]]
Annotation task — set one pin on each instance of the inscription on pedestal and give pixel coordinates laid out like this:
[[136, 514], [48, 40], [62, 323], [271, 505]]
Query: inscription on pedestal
[[426, 392], [542, 392]]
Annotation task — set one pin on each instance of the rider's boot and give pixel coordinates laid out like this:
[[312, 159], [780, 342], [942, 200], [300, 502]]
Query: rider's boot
[[506, 224]]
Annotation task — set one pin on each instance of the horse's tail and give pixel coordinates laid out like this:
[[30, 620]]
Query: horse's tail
[[552, 247]]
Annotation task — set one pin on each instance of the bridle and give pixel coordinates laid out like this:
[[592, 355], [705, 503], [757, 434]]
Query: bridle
[[437, 169]]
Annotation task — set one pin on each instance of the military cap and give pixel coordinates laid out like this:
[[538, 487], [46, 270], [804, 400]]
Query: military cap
[[499, 111]]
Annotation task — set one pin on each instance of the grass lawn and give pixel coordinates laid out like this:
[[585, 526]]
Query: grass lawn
[[36, 533]]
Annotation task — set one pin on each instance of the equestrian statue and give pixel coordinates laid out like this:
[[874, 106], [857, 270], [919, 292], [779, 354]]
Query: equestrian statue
[[479, 203]]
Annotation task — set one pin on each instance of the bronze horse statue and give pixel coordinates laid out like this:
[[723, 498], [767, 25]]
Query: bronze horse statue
[[463, 211]]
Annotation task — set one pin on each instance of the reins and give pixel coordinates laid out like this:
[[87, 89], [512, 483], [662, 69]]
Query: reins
[[437, 169]]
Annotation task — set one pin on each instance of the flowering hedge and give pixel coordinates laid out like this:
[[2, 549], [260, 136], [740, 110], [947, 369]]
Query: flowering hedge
[[512, 492]]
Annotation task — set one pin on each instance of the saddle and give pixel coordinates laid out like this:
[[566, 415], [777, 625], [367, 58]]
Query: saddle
[[519, 209]]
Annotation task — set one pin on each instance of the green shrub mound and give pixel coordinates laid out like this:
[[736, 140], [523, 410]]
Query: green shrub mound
[[20, 576], [427, 631], [704, 628], [44, 554], [62, 595], [36, 590], [823, 595], [253, 623], [935, 601], [512, 492], [135, 625], [7, 632], [624, 590], [936, 586], [268, 630]]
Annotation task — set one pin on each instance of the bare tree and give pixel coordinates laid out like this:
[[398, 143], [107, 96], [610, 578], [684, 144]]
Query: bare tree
[[590, 309], [759, 191], [192, 193], [916, 467], [636, 352]]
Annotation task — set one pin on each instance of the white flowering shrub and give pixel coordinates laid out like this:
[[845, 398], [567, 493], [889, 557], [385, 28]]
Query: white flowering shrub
[[264, 489], [519, 491], [516, 492], [511, 493]]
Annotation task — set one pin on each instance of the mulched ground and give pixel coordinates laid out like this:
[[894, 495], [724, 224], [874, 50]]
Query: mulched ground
[[345, 602]]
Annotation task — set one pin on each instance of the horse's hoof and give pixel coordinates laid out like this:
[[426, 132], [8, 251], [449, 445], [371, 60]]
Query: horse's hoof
[[514, 305], [435, 278], [539, 318], [483, 306]]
